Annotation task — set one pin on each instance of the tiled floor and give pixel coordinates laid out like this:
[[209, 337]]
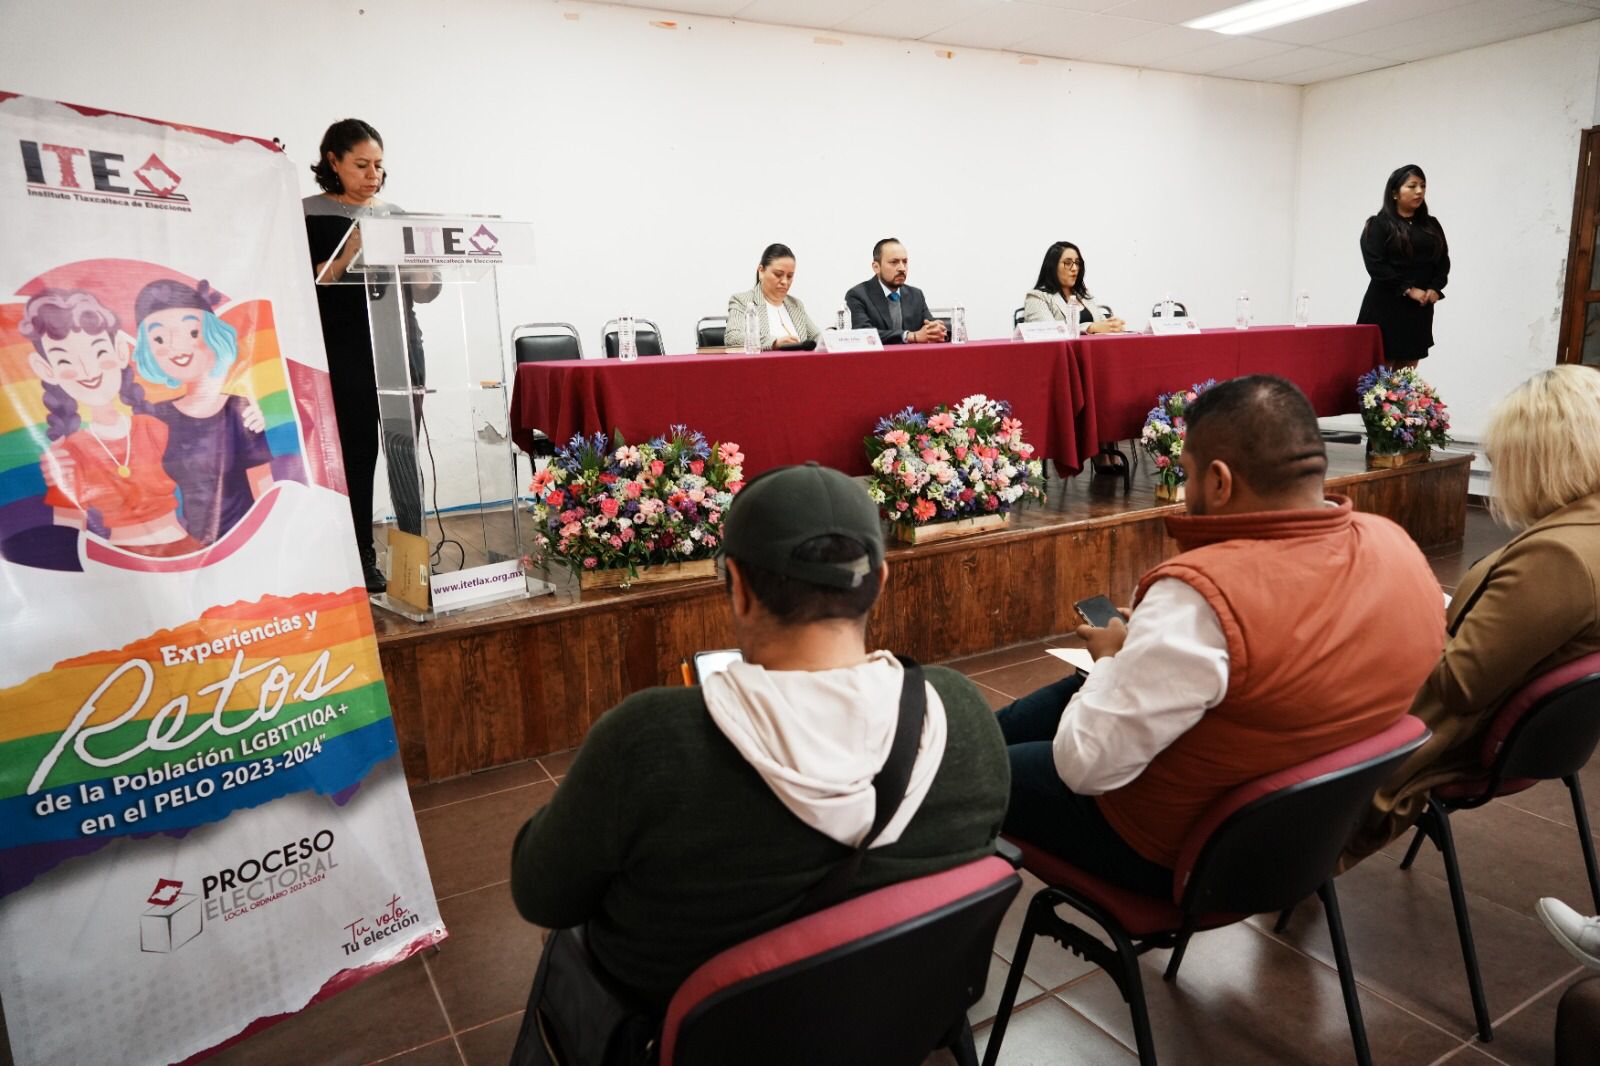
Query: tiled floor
[[1245, 995]]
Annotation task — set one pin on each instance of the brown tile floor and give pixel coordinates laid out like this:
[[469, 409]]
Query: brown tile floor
[[1245, 994]]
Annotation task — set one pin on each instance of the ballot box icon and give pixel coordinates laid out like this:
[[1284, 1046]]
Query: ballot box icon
[[175, 917]]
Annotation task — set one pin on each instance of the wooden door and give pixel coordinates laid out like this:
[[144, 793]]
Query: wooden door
[[1580, 311]]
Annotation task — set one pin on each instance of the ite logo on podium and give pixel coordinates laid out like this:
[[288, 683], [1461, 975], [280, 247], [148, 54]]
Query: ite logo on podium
[[174, 918]]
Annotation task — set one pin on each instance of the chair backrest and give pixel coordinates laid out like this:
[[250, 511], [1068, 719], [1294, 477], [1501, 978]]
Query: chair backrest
[[947, 315], [1016, 317], [1550, 727], [1106, 312], [544, 342], [646, 337], [1271, 842], [1178, 310], [880, 978], [711, 331]]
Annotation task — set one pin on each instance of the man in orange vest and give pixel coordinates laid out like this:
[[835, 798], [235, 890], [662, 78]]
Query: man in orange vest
[[1288, 626]]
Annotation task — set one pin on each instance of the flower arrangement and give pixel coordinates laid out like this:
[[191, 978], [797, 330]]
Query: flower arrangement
[[955, 462], [611, 505], [1165, 428], [1402, 412]]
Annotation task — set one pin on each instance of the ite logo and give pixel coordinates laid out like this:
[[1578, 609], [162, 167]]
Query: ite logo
[[175, 917], [484, 240], [432, 241], [87, 170]]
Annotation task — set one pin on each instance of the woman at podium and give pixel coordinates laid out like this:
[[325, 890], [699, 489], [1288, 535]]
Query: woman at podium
[[350, 172]]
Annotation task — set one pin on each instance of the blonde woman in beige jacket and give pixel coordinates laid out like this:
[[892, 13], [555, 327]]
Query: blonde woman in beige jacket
[[783, 319]]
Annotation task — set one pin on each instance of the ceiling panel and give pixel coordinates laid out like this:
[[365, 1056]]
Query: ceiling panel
[[1150, 33]]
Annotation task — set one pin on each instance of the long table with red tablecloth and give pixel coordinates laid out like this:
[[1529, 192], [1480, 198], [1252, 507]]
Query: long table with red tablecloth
[[784, 408]]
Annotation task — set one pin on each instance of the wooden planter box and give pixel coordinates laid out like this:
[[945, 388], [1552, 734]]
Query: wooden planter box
[[650, 575], [1390, 460], [1170, 493], [959, 527]]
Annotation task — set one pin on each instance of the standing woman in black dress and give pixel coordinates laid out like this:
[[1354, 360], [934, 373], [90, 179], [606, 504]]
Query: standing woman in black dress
[[350, 172], [1408, 260]]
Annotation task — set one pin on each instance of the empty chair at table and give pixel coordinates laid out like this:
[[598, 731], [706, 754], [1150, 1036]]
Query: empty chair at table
[[711, 331], [646, 337], [780, 317], [1061, 278], [545, 342]]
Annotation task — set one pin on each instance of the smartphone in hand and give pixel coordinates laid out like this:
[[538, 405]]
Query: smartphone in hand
[[1098, 611]]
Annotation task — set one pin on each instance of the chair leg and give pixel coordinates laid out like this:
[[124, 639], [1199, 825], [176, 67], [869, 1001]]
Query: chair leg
[[1347, 976], [1585, 841], [1283, 919], [1458, 901], [1008, 996], [961, 1045], [1416, 846], [1177, 956], [1133, 992]]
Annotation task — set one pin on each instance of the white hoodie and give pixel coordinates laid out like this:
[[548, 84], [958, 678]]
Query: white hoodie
[[817, 738]]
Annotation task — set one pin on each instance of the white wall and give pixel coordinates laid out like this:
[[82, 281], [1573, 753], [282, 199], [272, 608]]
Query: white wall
[[626, 144], [1497, 130]]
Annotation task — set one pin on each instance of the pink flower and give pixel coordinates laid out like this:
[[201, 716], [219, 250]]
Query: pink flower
[[571, 529], [590, 562], [967, 496], [713, 516], [1191, 396], [929, 455], [943, 422], [556, 498], [657, 467], [991, 503], [1162, 462], [697, 467], [897, 437], [961, 452], [627, 534], [542, 481], [609, 507], [633, 490], [1008, 426], [735, 486], [709, 541], [901, 505], [616, 541], [730, 453], [923, 510], [972, 434]]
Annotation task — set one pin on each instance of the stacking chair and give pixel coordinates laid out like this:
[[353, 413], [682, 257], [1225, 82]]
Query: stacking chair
[[947, 315], [646, 336], [1105, 311], [1178, 310], [1545, 732], [1016, 317], [885, 978], [545, 342], [1261, 847], [711, 331]]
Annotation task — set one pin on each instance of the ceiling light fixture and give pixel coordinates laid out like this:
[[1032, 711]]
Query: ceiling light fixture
[[1265, 14]]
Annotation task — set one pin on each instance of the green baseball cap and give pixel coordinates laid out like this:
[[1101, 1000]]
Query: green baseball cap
[[783, 508]]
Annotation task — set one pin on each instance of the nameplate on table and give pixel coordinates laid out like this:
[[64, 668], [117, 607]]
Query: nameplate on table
[[1162, 326], [849, 340], [477, 584], [1042, 331]]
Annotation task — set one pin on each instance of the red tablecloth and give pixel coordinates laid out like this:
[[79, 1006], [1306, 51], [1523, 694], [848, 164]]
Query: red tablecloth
[[786, 408], [1127, 372]]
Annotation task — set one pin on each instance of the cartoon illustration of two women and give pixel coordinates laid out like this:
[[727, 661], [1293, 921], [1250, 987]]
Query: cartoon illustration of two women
[[162, 479]]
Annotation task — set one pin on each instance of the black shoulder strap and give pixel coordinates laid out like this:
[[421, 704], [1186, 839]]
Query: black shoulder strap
[[888, 786]]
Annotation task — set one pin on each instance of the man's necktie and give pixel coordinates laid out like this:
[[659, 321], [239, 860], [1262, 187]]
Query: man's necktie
[[896, 314]]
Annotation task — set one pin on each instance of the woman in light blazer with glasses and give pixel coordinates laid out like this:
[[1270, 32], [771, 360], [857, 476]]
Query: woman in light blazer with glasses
[[782, 318]]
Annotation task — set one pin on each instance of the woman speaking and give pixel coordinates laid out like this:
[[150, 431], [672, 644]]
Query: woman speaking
[[350, 172], [1408, 260]]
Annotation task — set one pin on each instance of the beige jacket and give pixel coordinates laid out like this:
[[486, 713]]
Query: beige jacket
[[1519, 613], [733, 336], [1038, 306]]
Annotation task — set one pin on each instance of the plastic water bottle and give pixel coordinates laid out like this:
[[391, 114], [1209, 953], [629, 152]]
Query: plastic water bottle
[[627, 339], [1241, 311], [958, 325], [1074, 317], [1302, 310], [1168, 309], [842, 316], [752, 330]]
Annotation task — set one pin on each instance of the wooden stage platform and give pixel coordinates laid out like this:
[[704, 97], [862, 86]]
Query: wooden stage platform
[[511, 681]]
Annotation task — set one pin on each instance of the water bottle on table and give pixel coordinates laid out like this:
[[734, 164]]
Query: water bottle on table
[[842, 316], [627, 339], [958, 326], [1241, 311], [1074, 317], [752, 330], [1302, 310]]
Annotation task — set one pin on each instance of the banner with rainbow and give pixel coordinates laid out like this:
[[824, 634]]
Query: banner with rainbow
[[200, 789]]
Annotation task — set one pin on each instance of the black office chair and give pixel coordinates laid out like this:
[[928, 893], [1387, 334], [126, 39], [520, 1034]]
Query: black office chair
[[545, 342], [711, 332], [1016, 318], [947, 315], [1106, 312], [1178, 310], [646, 337]]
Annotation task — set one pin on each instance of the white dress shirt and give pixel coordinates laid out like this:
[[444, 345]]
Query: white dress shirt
[[780, 323], [1172, 669]]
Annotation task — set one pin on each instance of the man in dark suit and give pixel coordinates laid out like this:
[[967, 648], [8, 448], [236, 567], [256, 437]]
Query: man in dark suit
[[887, 304]]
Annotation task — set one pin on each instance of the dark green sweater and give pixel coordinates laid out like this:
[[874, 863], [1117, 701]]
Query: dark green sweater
[[671, 847]]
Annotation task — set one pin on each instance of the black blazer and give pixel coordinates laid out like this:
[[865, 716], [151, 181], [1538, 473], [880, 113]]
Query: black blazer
[[869, 307], [1421, 262]]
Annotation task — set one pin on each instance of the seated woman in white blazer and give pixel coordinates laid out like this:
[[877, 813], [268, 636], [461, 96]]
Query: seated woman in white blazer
[[1060, 278], [783, 319]]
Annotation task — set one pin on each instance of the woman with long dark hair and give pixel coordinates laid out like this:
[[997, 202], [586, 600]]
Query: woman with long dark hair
[[350, 172], [1408, 260], [1061, 277]]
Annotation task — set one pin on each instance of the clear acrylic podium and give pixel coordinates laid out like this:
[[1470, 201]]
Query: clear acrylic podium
[[430, 284]]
